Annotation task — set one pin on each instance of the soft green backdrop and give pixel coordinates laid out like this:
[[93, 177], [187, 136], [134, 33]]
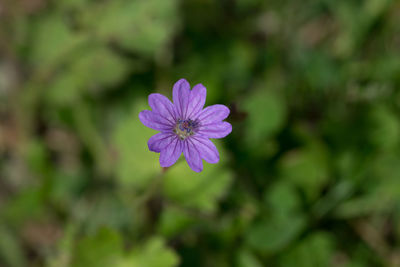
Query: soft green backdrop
[[309, 177]]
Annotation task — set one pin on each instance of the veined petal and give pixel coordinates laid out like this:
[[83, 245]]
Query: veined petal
[[163, 106], [159, 141], [155, 121], [192, 156], [206, 148], [215, 130], [171, 152], [213, 114], [197, 100], [180, 95]]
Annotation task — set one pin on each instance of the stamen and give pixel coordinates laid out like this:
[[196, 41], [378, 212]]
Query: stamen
[[185, 128]]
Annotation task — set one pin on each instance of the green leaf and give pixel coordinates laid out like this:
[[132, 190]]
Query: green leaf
[[239, 65], [385, 130], [144, 26], [362, 206], [26, 205], [266, 114], [11, 252], [154, 253], [210, 72], [307, 168], [174, 221], [282, 198], [65, 90], [72, 4], [92, 70], [247, 259], [136, 165], [272, 234], [198, 190], [356, 20], [104, 210], [99, 67], [103, 249], [37, 157], [315, 250], [52, 42], [382, 194], [320, 70], [63, 256], [66, 186], [375, 8], [248, 4]]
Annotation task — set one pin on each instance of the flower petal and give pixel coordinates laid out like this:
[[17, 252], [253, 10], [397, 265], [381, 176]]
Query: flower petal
[[163, 106], [213, 114], [159, 141], [180, 95], [171, 152], [192, 156], [197, 100], [215, 130], [207, 149], [155, 121]]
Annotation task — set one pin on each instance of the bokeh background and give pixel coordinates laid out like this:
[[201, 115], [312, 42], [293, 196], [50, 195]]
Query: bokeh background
[[309, 177]]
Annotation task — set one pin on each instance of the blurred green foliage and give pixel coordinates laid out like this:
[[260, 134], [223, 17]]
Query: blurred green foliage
[[310, 175]]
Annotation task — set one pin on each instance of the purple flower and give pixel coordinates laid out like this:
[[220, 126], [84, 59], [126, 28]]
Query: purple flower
[[185, 126]]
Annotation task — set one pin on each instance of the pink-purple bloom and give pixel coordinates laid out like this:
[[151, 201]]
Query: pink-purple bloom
[[185, 126]]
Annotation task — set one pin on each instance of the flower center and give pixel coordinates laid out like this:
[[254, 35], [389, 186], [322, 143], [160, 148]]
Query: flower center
[[185, 128]]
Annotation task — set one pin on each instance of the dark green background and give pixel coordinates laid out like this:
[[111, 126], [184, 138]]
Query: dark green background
[[309, 177]]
